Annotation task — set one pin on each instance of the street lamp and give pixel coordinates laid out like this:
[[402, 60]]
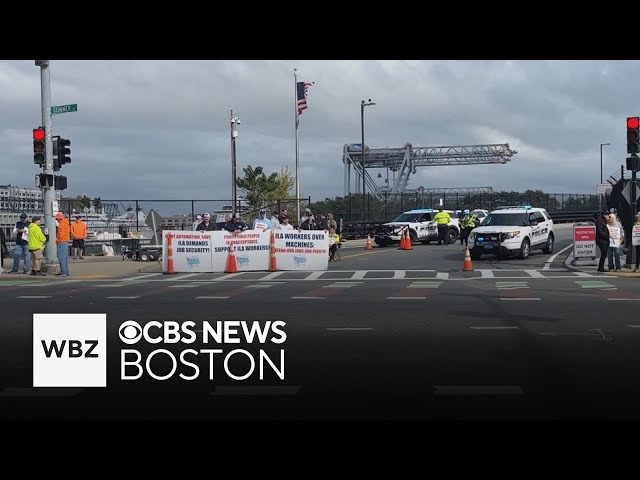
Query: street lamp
[[602, 145], [235, 121], [362, 105], [601, 179]]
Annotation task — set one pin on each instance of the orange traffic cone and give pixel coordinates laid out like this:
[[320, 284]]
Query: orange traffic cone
[[369, 246], [170, 254], [272, 263], [467, 267], [407, 241], [231, 261]]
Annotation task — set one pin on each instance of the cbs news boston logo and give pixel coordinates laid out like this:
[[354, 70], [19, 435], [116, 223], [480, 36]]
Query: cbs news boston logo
[[69, 350]]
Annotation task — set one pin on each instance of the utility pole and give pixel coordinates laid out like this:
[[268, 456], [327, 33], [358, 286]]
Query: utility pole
[[235, 121], [49, 192], [364, 202]]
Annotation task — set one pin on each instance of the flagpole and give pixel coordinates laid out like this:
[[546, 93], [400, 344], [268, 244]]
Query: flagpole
[[295, 101]]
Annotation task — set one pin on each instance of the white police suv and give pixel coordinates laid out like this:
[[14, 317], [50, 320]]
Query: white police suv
[[514, 230], [421, 227]]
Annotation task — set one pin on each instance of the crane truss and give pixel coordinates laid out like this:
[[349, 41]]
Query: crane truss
[[405, 160]]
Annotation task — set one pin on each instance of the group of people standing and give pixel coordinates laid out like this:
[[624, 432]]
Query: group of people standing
[[610, 239], [31, 241]]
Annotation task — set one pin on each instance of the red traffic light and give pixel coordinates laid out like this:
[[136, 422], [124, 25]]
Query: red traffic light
[[633, 122], [38, 134]]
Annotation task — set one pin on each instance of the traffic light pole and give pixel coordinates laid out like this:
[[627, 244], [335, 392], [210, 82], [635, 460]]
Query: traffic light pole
[[50, 251], [631, 251]]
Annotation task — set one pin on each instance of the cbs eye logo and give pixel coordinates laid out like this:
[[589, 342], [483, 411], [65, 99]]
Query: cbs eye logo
[[130, 332]]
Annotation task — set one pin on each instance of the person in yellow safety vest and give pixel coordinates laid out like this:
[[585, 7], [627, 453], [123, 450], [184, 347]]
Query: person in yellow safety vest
[[442, 220], [468, 223]]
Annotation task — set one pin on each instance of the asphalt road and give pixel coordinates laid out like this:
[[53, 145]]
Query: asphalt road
[[377, 337]]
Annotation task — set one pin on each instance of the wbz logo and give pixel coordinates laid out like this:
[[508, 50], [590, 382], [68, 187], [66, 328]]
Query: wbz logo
[[74, 349], [69, 350]]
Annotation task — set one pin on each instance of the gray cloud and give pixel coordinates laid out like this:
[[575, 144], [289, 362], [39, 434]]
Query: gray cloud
[[151, 129]]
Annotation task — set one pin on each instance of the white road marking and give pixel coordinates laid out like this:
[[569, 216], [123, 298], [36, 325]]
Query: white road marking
[[228, 276], [146, 275], [553, 257], [127, 298], [442, 276], [315, 275], [398, 275], [358, 274], [34, 296], [535, 274], [272, 275], [486, 273], [624, 299], [211, 298], [478, 390], [306, 298], [180, 277]]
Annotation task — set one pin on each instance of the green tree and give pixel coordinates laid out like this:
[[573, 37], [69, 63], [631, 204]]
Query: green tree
[[84, 202], [256, 186], [97, 204], [284, 183]]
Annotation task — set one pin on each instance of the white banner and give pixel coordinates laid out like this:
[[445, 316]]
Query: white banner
[[191, 251], [208, 251], [251, 249], [308, 250], [635, 235]]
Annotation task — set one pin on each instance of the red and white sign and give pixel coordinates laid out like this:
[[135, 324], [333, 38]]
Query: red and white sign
[[584, 234], [584, 241]]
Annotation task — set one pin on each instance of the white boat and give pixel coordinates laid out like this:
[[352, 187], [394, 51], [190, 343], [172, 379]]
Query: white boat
[[224, 214]]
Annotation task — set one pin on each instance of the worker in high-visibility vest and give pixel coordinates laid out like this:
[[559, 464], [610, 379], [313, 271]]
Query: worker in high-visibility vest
[[442, 219], [467, 223]]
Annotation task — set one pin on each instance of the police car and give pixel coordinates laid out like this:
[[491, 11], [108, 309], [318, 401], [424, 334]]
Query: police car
[[421, 226], [513, 230]]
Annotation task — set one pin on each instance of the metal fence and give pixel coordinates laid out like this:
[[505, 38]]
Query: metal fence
[[176, 214], [353, 208]]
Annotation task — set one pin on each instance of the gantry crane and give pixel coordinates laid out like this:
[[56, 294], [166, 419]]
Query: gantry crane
[[406, 159]]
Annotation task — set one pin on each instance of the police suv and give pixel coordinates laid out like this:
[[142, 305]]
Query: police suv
[[421, 226], [514, 230]]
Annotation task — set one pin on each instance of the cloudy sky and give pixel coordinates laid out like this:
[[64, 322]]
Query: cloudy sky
[[160, 129]]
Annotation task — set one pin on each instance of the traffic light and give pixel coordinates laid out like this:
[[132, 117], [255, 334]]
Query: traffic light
[[633, 134], [60, 182], [39, 146], [61, 152]]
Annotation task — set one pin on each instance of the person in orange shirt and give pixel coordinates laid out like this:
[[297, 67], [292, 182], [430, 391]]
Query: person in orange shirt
[[63, 232], [79, 233]]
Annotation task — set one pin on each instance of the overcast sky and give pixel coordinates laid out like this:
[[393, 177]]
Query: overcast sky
[[160, 129]]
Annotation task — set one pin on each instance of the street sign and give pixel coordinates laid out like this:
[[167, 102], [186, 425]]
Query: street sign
[[626, 191], [603, 188], [64, 109], [584, 240]]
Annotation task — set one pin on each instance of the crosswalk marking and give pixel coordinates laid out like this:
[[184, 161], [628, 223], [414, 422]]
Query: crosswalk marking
[[595, 284], [511, 285], [343, 285]]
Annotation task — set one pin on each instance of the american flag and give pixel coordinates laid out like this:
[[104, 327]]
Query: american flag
[[302, 88]]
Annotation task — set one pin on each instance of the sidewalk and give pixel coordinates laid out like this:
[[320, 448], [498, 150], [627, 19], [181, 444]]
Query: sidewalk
[[89, 268], [591, 266]]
